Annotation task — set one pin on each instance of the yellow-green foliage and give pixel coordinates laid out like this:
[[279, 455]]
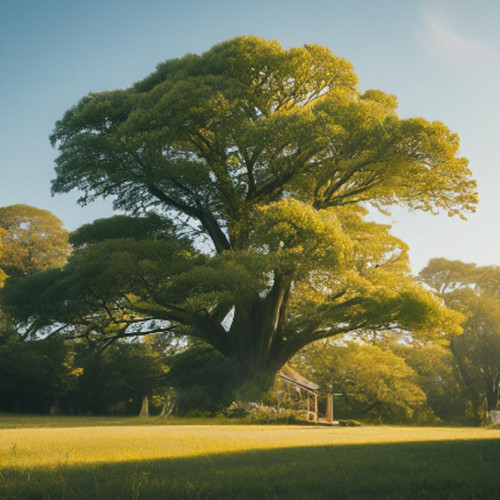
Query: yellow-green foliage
[[33, 240], [2, 251], [374, 382], [475, 292]]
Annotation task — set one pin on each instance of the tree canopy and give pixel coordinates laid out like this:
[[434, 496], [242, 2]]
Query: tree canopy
[[475, 292], [263, 161], [33, 239], [245, 124], [374, 383], [2, 250]]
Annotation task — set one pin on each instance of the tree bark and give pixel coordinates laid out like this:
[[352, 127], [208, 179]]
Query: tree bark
[[492, 395], [145, 407]]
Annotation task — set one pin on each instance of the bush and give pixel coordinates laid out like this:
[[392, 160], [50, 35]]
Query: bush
[[349, 423], [258, 413]]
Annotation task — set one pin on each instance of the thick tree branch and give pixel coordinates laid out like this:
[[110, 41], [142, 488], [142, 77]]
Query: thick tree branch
[[202, 327], [271, 307], [204, 216]]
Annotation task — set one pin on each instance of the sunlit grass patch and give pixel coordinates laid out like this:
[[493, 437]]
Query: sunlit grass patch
[[200, 461], [34, 447]]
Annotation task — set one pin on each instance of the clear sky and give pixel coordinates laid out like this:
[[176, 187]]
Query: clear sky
[[441, 58]]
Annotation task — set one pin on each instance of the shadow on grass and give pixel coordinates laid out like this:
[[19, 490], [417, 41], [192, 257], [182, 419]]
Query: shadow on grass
[[426, 470]]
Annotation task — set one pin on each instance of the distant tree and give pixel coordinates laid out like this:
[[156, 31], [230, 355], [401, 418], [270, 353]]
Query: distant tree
[[116, 379], [2, 249], [475, 292], [263, 158], [33, 240], [436, 376], [33, 374], [374, 382], [78, 376]]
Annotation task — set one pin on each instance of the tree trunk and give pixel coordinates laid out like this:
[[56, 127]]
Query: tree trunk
[[167, 409], [145, 407], [255, 385], [467, 384], [257, 331], [492, 395]]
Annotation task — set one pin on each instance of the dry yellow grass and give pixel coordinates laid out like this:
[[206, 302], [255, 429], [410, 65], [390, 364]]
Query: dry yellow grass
[[52, 447]]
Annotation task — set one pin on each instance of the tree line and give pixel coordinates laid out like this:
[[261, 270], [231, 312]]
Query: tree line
[[380, 376]]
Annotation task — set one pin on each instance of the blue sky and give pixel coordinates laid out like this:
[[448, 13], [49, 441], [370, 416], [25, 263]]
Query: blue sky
[[441, 59]]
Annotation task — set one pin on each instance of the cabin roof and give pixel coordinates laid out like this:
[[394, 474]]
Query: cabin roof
[[291, 376]]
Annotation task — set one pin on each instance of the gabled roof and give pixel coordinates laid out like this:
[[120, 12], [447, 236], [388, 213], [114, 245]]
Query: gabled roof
[[289, 375]]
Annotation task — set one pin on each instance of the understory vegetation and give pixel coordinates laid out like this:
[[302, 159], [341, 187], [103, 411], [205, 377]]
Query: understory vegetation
[[382, 382]]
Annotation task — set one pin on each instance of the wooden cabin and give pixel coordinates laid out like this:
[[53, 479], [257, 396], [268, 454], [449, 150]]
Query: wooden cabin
[[292, 379]]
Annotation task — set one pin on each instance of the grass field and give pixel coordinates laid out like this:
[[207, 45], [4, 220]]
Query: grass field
[[10, 421], [38, 461]]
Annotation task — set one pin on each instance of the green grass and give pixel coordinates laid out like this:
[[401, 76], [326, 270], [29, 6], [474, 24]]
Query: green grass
[[11, 421], [239, 462]]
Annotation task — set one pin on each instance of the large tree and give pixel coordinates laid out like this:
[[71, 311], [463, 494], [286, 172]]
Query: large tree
[[262, 158], [475, 292]]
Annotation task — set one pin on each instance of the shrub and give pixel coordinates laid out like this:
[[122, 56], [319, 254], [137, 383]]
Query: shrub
[[258, 413]]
